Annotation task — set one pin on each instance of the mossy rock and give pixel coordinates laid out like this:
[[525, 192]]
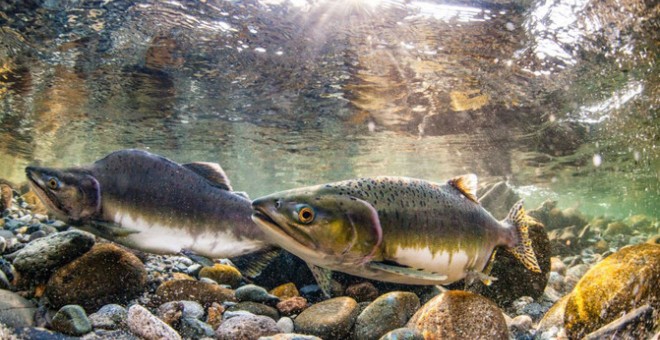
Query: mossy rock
[[285, 291], [623, 281]]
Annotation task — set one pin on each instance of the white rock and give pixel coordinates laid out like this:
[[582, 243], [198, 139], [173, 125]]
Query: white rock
[[285, 324], [146, 325]]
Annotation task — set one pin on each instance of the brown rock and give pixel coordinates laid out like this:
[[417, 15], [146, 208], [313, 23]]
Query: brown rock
[[460, 315], [292, 305], [106, 274], [214, 314], [5, 196], [654, 240], [202, 292], [362, 292], [621, 282], [285, 291], [329, 319], [601, 246], [223, 274], [557, 265]]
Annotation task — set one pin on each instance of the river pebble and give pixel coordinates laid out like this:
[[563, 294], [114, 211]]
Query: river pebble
[[389, 311], [246, 327], [255, 293], [329, 319], [291, 306], [141, 322], [72, 320], [109, 317], [16, 311], [285, 325]]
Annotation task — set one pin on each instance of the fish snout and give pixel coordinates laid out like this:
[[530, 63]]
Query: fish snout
[[265, 203]]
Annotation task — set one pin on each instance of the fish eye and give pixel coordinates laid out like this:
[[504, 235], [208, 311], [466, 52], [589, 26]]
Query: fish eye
[[306, 215], [53, 183]]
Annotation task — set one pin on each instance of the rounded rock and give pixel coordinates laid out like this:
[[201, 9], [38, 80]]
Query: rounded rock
[[109, 317], [192, 328], [363, 291], [285, 291], [246, 327], [460, 314], [256, 309], [624, 280], [38, 259], [146, 325], [223, 274], [285, 325], [72, 320], [403, 334], [255, 293], [291, 306], [189, 309], [202, 292], [106, 274], [388, 312], [16, 311], [331, 318]]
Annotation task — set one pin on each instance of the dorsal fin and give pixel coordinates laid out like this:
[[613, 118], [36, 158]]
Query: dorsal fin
[[467, 185], [212, 172]]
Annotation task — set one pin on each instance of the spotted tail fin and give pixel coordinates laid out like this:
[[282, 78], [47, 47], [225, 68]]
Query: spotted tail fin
[[522, 249]]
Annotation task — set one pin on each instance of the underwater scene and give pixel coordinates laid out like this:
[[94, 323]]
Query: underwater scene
[[329, 169]]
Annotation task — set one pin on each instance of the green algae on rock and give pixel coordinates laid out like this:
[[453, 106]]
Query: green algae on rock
[[106, 274], [329, 319], [459, 314], [72, 320], [623, 281]]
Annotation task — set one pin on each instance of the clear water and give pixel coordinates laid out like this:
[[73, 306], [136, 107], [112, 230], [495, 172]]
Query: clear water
[[558, 97]]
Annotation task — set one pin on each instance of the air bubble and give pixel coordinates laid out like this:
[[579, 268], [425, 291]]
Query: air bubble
[[597, 160]]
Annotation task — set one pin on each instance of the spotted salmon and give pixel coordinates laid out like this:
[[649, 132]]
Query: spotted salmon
[[393, 229]]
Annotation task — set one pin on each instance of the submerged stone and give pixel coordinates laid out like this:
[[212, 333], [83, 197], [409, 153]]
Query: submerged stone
[[246, 327], [202, 292], [109, 317], [329, 319], [256, 309], [621, 282], [71, 319], [363, 291], [403, 334], [15, 311], [39, 258], [146, 325], [223, 274], [255, 293], [460, 314], [285, 291], [387, 312], [106, 274]]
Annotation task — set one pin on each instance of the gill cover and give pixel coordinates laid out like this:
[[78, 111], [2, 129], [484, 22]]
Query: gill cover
[[346, 227]]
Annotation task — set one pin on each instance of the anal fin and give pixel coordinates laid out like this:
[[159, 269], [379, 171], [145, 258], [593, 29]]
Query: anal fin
[[407, 271]]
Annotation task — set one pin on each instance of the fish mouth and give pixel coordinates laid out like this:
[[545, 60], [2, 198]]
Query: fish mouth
[[275, 230], [43, 195]]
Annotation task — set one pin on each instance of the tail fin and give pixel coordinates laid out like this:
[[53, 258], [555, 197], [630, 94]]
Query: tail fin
[[522, 249]]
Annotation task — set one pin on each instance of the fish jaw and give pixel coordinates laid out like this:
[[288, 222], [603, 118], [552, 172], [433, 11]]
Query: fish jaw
[[276, 235]]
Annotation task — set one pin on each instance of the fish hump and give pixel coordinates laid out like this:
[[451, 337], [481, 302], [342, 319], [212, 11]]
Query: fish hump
[[467, 185], [212, 172]]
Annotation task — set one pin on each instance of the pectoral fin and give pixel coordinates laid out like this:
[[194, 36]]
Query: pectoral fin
[[406, 271], [323, 278]]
